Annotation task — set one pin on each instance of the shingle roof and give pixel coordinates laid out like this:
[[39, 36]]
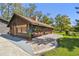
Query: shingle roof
[[33, 22]]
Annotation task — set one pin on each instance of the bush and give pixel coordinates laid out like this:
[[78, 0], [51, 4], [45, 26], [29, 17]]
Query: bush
[[73, 34], [29, 34]]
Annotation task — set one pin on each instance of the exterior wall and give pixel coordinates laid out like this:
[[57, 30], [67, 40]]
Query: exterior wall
[[42, 31], [46, 30], [18, 26]]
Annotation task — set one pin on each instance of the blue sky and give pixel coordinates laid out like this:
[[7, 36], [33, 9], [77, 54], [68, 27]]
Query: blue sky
[[59, 8]]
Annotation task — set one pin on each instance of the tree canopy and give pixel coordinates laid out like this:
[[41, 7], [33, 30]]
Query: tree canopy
[[62, 23]]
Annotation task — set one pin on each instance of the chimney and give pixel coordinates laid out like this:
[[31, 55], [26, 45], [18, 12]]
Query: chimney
[[35, 18]]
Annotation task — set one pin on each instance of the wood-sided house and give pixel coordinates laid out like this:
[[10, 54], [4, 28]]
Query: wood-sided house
[[28, 27]]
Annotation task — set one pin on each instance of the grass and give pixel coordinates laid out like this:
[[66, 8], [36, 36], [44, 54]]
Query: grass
[[73, 37], [68, 46], [62, 52]]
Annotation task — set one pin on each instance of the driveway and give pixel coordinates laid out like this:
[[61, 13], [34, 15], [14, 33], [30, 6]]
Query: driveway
[[20, 42], [9, 49]]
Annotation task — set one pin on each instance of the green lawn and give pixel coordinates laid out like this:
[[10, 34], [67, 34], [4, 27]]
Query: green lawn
[[68, 46]]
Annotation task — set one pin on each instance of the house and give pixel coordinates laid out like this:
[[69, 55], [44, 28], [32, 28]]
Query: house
[[28, 27]]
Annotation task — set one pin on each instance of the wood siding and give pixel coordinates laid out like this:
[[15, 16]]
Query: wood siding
[[18, 26]]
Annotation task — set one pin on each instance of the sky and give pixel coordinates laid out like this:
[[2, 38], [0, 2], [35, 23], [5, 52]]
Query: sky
[[59, 8]]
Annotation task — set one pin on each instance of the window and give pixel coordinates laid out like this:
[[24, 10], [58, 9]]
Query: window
[[23, 29], [19, 30]]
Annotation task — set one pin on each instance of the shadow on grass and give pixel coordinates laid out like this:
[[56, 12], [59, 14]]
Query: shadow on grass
[[69, 43]]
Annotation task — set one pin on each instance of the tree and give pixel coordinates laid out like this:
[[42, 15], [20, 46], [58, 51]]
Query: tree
[[9, 8], [52, 21], [5, 10], [66, 22], [77, 20], [2, 8], [77, 25], [46, 20], [18, 8], [58, 24], [62, 23], [31, 10]]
